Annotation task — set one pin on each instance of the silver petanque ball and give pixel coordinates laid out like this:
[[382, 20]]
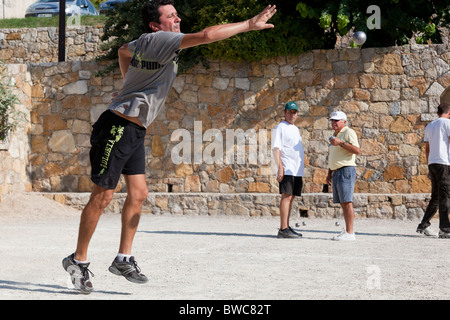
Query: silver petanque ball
[[337, 224], [297, 225], [359, 37], [304, 223]]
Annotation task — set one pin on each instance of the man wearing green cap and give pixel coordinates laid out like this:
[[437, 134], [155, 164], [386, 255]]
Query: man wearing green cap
[[289, 158]]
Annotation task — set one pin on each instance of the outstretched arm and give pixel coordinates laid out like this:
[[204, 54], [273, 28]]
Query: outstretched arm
[[224, 31]]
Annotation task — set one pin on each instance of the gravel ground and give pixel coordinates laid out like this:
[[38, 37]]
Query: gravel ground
[[220, 258]]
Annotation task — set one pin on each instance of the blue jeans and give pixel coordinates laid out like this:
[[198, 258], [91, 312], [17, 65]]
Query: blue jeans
[[343, 182]]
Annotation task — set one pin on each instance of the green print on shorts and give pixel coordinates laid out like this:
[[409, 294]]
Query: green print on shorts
[[117, 133]]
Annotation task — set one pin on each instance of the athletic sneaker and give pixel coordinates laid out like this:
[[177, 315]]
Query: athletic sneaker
[[128, 269], [444, 235], [79, 274], [427, 232], [297, 233], [288, 233], [344, 236]]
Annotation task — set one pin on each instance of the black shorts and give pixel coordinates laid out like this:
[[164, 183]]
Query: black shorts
[[291, 185], [117, 148]]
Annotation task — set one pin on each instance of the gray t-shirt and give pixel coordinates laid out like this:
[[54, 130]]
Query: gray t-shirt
[[150, 76]]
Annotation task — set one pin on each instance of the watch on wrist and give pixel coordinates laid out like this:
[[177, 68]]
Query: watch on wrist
[[342, 144]]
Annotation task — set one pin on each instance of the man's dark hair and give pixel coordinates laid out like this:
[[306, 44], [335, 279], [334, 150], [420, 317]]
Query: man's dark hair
[[150, 12], [443, 108]]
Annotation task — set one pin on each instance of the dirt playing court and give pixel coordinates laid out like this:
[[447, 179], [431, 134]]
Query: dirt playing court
[[220, 257]]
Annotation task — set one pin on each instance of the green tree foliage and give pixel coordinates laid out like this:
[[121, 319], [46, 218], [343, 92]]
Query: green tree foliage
[[291, 35], [123, 25], [9, 116], [299, 26], [400, 19]]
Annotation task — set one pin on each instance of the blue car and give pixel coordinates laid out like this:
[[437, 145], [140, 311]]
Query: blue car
[[109, 5], [50, 8]]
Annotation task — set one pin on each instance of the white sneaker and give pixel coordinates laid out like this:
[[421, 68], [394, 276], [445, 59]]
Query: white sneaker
[[345, 236], [427, 232]]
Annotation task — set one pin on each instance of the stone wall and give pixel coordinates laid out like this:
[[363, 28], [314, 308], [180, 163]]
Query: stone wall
[[67, 99], [311, 205], [389, 94], [41, 44], [15, 173]]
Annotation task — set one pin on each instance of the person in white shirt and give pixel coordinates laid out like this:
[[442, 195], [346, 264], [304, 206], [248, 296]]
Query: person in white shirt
[[436, 137], [288, 154]]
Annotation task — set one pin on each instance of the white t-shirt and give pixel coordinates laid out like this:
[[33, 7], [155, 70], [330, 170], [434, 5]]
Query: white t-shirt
[[437, 134], [286, 137]]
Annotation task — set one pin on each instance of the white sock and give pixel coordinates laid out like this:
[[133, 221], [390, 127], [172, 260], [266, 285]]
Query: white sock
[[78, 262], [123, 257]]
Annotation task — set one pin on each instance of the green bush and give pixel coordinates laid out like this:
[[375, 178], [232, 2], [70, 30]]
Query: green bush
[[400, 20], [9, 116], [299, 26], [291, 35]]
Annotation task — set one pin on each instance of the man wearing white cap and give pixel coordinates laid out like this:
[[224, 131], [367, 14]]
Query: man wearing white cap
[[342, 173]]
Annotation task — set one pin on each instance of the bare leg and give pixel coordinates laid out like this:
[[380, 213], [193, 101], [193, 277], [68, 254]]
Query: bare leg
[[131, 212], [349, 215], [285, 210], [99, 200]]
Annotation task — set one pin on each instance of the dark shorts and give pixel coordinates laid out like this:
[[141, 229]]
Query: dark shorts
[[291, 185], [117, 148]]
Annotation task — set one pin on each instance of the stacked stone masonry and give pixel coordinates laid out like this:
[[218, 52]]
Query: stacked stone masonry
[[312, 205], [14, 151], [40, 45], [389, 95]]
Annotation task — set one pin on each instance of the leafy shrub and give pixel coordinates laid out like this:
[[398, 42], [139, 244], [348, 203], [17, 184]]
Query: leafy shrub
[[291, 35], [400, 20], [9, 116], [299, 26]]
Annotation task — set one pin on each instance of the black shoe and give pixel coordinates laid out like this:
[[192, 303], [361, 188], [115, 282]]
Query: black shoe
[[79, 274], [297, 233], [128, 269], [288, 233]]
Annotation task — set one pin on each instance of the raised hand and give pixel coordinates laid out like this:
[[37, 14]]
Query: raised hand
[[259, 22]]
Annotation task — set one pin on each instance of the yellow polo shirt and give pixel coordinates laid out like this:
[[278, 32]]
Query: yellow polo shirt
[[339, 157]]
